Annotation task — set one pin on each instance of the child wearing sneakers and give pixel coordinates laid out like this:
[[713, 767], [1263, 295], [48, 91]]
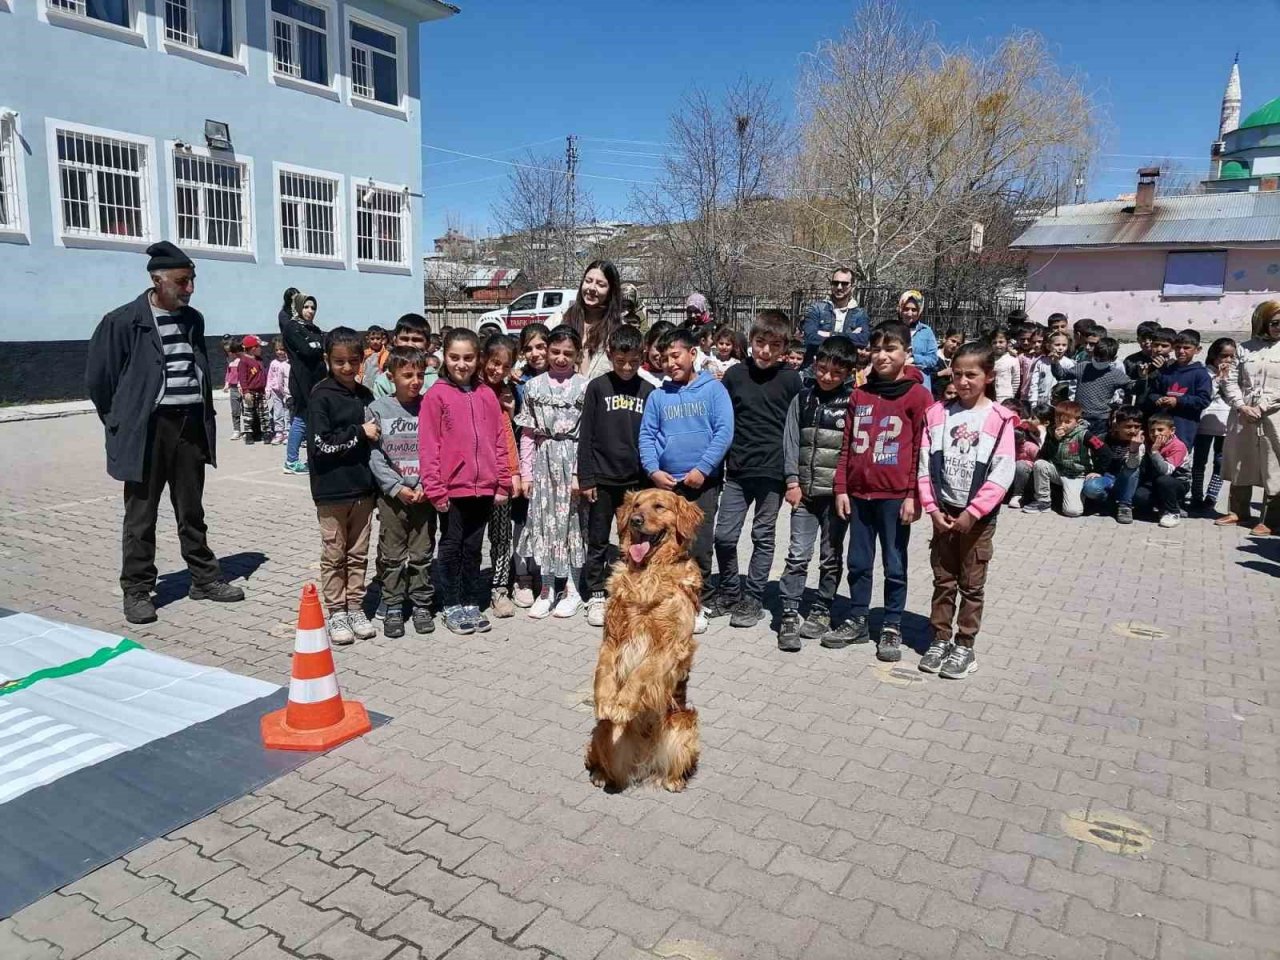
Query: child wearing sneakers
[[812, 449], [340, 435], [465, 467], [966, 465], [760, 390], [609, 454], [406, 519], [1116, 459], [1165, 475], [875, 486]]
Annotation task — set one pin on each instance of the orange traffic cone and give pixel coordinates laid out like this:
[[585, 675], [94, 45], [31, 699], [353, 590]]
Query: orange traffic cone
[[316, 717]]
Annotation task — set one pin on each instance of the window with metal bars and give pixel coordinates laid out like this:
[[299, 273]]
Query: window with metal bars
[[309, 216], [200, 24], [211, 202], [374, 72], [300, 41], [10, 207], [102, 186], [381, 230], [115, 12]]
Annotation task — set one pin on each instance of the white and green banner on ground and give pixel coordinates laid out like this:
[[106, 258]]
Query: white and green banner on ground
[[71, 697]]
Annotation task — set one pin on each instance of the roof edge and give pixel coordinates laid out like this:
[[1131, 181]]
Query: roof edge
[[427, 10]]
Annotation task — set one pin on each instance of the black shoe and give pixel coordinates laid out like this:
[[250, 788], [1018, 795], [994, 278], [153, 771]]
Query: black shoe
[[816, 624], [138, 608], [959, 664], [889, 646], [218, 590], [931, 662], [746, 613], [789, 632], [423, 621], [393, 624], [720, 605], [853, 630]]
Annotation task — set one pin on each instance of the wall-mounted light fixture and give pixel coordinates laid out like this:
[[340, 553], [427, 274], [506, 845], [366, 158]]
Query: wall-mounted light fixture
[[217, 135]]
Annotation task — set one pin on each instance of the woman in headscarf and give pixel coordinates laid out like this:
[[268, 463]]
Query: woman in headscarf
[[1251, 453], [304, 345], [924, 344], [595, 313]]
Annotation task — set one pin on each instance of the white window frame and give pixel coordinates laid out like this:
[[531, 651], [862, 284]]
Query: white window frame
[[239, 59], [150, 194], [401, 35], [247, 251], [333, 43], [135, 33], [6, 6], [12, 147], [358, 186], [338, 261]]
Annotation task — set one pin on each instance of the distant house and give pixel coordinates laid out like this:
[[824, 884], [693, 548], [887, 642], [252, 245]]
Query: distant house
[[482, 283], [1199, 261]]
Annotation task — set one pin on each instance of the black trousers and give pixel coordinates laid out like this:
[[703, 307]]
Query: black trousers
[[1159, 494], [708, 499], [176, 458], [601, 517], [461, 540]]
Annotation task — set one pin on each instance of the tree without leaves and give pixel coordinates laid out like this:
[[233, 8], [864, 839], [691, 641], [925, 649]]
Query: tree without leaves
[[532, 209], [905, 144], [724, 160]]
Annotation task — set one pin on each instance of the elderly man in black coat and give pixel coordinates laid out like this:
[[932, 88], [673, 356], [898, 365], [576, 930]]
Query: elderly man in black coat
[[148, 377]]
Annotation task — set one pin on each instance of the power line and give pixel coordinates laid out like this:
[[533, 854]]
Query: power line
[[463, 183], [526, 146], [1153, 155], [530, 166], [644, 143]]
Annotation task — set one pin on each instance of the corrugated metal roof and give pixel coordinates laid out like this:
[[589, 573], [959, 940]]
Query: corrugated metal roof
[[1210, 218], [469, 276]]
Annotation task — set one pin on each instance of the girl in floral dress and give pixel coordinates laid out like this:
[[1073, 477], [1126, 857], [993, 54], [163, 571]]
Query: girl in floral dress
[[552, 536]]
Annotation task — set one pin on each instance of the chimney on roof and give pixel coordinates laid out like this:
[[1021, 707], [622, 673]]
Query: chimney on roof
[[1145, 201]]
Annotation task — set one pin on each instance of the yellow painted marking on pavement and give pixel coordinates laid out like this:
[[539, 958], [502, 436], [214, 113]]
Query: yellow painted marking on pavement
[[897, 674], [1113, 832], [685, 950], [1135, 630]]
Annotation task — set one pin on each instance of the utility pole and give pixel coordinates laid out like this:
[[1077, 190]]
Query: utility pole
[[571, 200]]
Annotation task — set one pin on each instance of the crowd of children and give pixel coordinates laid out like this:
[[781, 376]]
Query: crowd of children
[[449, 437]]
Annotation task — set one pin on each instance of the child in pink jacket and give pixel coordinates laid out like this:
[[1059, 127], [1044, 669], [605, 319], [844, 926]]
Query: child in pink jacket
[[464, 469], [967, 458]]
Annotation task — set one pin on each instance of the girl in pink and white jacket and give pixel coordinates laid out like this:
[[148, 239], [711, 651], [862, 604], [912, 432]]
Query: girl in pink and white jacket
[[967, 458], [278, 392], [464, 468]]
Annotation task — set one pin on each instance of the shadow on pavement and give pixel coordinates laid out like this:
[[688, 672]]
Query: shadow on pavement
[[237, 566]]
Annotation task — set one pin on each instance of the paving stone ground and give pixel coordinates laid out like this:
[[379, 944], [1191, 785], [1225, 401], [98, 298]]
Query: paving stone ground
[[843, 810]]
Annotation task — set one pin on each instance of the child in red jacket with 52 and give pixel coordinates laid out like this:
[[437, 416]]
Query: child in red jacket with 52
[[464, 469], [875, 485]]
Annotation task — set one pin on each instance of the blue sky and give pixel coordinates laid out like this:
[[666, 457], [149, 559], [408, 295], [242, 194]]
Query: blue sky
[[507, 73]]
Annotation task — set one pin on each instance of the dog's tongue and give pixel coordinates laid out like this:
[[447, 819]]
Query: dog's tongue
[[639, 551]]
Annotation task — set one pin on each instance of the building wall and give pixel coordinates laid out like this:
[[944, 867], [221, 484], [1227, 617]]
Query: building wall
[[57, 293], [1120, 288]]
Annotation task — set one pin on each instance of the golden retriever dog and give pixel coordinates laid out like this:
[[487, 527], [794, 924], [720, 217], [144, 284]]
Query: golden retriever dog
[[645, 730]]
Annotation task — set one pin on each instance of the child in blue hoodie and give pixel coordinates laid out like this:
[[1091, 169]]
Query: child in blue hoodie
[[1182, 390], [684, 435]]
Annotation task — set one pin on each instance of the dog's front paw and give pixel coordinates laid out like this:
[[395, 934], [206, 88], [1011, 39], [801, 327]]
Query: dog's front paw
[[675, 785], [616, 711]]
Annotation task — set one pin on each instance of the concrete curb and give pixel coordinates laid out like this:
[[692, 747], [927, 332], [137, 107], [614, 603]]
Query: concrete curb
[[45, 411]]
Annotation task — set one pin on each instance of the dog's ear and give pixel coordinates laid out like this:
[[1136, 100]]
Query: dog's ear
[[624, 519], [688, 519]]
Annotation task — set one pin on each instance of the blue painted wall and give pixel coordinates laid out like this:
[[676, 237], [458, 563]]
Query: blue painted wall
[[49, 292]]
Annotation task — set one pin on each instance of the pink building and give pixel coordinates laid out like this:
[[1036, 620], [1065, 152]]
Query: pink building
[[1195, 261]]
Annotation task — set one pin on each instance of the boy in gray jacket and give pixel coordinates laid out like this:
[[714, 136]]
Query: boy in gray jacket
[[407, 521]]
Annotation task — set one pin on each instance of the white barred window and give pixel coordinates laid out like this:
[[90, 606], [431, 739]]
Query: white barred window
[[300, 41], [10, 198], [103, 186], [200, 25], [382, 226], [310, 215], [115, 12], [212, 202]]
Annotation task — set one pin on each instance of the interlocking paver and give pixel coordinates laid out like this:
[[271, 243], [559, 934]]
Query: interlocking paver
[[833, 810]]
